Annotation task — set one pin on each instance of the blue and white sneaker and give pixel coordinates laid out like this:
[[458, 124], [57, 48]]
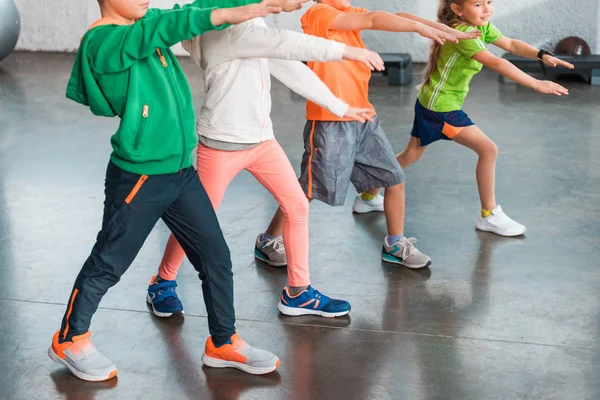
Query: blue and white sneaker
[[163, 298], [404, 253], [311, 302]]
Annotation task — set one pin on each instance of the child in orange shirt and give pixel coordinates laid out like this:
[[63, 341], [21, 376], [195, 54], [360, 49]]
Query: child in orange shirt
[[339, 151]]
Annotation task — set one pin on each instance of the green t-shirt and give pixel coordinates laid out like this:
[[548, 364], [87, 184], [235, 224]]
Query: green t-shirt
[[449, 83]]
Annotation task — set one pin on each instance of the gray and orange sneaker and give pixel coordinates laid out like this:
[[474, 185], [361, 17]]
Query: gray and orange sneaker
[[240, 355], [82, 358]]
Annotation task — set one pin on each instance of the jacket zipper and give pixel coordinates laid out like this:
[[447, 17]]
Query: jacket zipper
[[162, 58], [141, 128], [177, 95]]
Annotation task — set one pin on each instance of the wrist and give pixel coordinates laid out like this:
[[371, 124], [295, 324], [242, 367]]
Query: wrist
[[219, 16], [418, 26], [542, 53]]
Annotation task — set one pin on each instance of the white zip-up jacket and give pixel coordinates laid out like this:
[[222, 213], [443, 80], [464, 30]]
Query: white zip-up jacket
[[237, 64]]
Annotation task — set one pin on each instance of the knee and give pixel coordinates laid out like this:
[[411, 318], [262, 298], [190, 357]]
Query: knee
[[399, 188], [296, 210], [490, 151], [414, 153]]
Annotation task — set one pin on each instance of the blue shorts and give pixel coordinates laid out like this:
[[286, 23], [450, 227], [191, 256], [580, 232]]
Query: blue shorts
[[431, 126]]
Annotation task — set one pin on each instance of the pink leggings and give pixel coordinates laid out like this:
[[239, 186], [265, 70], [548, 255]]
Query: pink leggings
[[271, 167]]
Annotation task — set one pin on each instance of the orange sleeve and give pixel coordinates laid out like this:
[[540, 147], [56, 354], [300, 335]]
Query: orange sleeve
[[317, 20]]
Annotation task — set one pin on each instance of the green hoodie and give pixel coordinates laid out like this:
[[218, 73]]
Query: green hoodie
[[129, 71]]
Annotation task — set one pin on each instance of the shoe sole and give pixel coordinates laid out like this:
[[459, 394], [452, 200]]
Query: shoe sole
[[158, 313], [214, 363], [258, 255], [362, 209], [54, 357], [388, 258], [491, 230], [296, 312]]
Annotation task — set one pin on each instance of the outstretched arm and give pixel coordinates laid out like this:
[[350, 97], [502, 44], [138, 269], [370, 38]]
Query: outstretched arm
[[299, 78], [507, 69], [385, 21], [522, 49], [117, 48], [256, 40], [285, 5], [251, 40], [442, 27]]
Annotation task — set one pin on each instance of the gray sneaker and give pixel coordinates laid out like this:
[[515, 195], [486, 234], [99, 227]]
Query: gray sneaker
[[404, 253], [240, 355], [82, 358], [270, 251]]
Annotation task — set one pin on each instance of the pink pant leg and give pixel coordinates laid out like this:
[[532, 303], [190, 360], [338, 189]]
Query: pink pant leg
[[216, 169], [274, 171]]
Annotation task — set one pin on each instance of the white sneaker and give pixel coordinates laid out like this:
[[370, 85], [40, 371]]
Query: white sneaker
[[362, 207], [500, 224]]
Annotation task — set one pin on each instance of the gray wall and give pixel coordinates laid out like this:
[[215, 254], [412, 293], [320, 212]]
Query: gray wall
[[57, 25]]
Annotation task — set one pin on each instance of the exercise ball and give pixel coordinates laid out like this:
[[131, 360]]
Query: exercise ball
[[10, 27], [573, 46]]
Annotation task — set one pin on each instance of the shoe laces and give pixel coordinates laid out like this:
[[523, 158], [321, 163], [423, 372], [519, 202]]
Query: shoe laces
[[277, 244], [408, 247], [318, 295]]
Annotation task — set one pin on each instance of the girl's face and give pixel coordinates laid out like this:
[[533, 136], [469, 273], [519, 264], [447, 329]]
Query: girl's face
[[475, 12], [339, 4], [130, 9]]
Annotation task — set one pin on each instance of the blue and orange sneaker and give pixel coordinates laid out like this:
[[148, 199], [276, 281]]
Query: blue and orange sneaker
[[311, 302], [163, 298]]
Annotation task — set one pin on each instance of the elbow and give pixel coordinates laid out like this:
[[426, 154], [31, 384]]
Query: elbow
[[498, 64], [372, 20], [510, 47]]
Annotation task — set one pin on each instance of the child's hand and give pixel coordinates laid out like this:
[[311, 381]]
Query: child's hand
[[238, 15], [549, 87], [361, 115], [287, 5], [555, 62], [435, 34], [367, 57]]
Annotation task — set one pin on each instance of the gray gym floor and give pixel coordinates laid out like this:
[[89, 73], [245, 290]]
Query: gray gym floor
[[493, 318]]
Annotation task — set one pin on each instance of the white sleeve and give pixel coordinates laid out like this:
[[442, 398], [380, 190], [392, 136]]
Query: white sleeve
[[299, 78], [251, 40]]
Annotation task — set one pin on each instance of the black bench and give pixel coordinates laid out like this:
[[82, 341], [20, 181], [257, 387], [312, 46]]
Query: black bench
[[398, 68], [587, 67]]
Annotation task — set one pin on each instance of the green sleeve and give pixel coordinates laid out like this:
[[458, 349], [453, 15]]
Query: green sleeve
[[491, 33], [204, 4], [469, 47], [116, 48], [221, 3]]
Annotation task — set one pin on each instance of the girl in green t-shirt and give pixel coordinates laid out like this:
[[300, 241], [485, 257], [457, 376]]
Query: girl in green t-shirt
[[438, 110]]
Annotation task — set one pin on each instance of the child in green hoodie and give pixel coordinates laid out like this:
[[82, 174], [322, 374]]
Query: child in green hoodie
[[124, 68]]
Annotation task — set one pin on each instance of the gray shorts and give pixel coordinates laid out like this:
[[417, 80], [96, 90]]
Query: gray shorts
[[337, 153]]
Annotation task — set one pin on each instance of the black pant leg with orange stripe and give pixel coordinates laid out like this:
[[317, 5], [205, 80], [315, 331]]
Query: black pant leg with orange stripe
[[133, 205]]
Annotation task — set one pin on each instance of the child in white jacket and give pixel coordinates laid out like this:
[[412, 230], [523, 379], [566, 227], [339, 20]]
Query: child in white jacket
[[236, 133]]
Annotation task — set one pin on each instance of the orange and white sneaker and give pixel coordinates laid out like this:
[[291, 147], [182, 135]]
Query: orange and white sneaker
[[240, 355], [82, 358]]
